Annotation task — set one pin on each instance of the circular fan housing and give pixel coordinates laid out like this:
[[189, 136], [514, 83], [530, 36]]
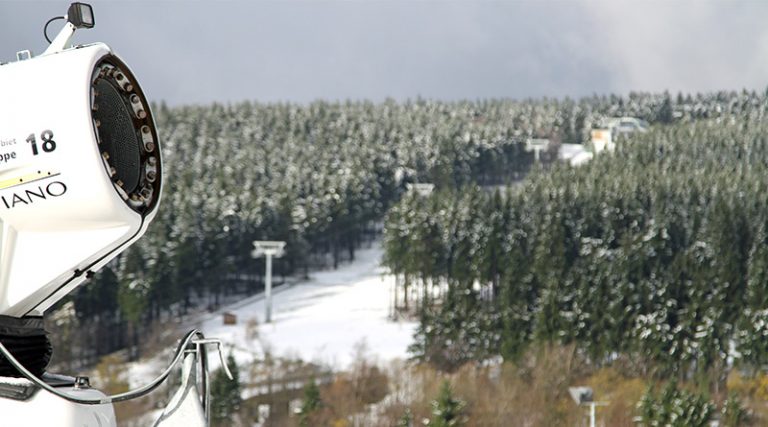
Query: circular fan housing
[[126, 134]]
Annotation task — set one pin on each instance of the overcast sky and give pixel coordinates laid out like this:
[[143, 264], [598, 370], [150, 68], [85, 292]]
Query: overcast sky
[[203, 51]]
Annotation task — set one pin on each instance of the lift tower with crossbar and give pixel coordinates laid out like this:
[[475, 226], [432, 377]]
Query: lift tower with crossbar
[[269, 249]]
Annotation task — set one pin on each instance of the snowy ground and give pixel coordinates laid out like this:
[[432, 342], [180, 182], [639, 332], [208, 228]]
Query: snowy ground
[[575, 154], [320, 320]]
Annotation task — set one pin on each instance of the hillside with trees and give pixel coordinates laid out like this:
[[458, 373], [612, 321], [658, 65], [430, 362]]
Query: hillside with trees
[[321, 177], [641, 266], [653, 258]]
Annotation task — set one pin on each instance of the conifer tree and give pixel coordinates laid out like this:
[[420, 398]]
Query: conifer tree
[[225, 394], [674, 407], [310, 403], [406, 420], [447, 411], [733, 413]]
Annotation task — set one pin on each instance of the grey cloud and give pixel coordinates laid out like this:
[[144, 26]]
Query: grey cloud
[[199, 52], [684, 46]]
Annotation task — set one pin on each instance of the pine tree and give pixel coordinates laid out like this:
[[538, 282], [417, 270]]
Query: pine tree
[[519, 292], [665, 113], [310, 403], [225, 394], [753, 324], [447, 411], [406, 420], [674, 407], [733, 413]]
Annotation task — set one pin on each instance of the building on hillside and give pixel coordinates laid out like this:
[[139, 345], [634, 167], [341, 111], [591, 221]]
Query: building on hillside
[[604, 137], [624, 125], [601, 140]]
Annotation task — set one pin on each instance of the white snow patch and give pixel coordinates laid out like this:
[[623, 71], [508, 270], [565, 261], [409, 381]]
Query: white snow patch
[[575, 154], [322, 320]]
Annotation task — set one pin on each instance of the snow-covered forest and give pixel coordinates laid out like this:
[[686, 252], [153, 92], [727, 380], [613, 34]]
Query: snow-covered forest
[[644, 264], [322, 176], [657, 254]]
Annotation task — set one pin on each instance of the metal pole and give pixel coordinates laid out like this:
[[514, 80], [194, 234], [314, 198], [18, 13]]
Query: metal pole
[[268, 290], [592, 414]]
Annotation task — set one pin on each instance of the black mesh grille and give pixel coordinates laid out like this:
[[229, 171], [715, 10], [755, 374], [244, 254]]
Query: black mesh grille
[[127, 137], [118, 134]]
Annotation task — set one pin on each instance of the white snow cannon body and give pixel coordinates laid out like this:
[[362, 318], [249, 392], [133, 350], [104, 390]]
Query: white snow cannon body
[[80, 181], [79, 172]]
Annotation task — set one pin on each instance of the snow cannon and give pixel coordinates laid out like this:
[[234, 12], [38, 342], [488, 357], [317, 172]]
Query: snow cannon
[[80, 177], [80, 167], [80, 181]]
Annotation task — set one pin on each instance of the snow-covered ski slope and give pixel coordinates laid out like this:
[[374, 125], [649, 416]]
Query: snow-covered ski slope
[[322, 319]]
